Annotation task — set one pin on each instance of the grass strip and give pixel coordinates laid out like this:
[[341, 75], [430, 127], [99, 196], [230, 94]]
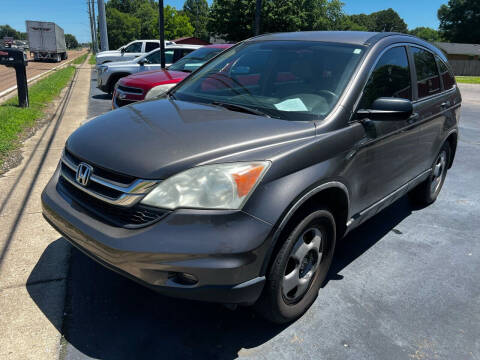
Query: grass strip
[[14, 120], [92, 60], [79, 60], [468, 79]]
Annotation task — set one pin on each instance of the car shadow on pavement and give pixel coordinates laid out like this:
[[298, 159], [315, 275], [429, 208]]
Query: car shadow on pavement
[[102, 97], [110, 317]]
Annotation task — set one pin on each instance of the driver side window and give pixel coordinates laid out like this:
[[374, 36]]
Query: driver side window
[[136, 47], [390, 78]]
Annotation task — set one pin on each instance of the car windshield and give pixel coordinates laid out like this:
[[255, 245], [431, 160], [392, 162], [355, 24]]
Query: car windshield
[[291, 80], [195, 59]]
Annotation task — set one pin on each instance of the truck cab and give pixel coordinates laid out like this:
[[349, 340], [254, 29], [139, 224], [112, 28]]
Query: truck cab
[[130, 51]]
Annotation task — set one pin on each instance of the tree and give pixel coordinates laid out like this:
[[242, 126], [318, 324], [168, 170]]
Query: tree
[[389, 20], [71, 41], [384, 20], [460, 21], [197, 12], [122, 28], [426, 33], [176, 25], [7, 30], [234, 19]]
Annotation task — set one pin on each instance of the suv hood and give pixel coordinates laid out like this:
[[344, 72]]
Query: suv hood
[[149, 79], [108, 53], [156, 139]]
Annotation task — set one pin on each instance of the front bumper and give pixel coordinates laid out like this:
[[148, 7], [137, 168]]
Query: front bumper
[[102, 80], [223, 250]]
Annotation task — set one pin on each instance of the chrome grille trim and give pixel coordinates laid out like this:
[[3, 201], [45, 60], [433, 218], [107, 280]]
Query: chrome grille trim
[[130, 194]]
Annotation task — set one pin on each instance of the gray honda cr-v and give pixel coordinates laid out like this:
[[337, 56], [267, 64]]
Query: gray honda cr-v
[[236, 185]]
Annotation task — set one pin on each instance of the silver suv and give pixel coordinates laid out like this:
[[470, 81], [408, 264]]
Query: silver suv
[[109, 74]]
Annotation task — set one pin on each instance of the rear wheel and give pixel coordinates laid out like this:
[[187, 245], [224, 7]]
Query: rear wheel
[[299, 268], [427, 192]]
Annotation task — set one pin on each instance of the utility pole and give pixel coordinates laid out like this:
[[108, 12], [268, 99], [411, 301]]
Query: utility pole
[[95, 26], [258, 12], [92, 31], [102, 20], [161, 28]]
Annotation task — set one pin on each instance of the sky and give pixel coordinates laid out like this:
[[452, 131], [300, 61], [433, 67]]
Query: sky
[[72, 16]]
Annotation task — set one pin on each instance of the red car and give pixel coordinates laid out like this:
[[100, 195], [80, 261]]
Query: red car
[[150, 84]]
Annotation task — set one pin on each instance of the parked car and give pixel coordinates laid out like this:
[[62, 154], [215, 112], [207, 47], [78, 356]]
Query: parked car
[[236, 186], [151, 84], [130, 51], [109, 74]]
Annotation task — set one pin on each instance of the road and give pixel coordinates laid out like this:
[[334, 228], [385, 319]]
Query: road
[[8, 77], [402, 286]]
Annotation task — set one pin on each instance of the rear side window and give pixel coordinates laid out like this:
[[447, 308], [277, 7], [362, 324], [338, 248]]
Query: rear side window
[[149, 46], [390, 78], [428, 80], [447, 77]]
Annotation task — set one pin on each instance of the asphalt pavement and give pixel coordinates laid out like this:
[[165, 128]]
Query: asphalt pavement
[[405, 285]]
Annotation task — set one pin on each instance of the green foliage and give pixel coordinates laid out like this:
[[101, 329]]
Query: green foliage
[[16, 119], [234, 19], [384, 20], [176, 24], [122, 27], [468, 79], [460, 21], [197, 12], [7, 30], [426, 33], [128, 20], [80, 60], [92, 60], [71, 41]]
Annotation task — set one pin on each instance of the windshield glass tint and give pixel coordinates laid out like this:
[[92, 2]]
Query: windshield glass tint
[[292, 80], [195, 59]]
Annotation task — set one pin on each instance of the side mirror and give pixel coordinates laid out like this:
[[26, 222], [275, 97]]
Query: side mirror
[[387, 109], [122, 50], [141, 62]]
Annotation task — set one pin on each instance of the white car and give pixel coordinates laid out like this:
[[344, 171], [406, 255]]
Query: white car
[[108, 74], [130, 51]]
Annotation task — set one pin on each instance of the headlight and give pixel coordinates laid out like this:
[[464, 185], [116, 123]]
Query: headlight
[[102, 68], [158, 90], [216, 186]]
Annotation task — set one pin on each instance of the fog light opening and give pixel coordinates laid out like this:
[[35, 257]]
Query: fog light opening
[[183, 278]]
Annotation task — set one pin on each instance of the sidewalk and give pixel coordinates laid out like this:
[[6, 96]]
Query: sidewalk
[[26, 332]]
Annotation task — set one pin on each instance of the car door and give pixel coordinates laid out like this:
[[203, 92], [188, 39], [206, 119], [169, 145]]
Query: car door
[[431, 104], [383, 161], [133, 50]]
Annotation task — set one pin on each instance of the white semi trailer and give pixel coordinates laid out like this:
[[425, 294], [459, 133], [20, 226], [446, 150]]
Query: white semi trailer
[[47, 41]]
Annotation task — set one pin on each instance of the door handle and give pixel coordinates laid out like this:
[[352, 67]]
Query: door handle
[[445, 104], [413, 118]]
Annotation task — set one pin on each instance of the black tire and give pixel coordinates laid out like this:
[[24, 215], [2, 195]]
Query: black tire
[[427, 192], [113, 81], [274, 304]]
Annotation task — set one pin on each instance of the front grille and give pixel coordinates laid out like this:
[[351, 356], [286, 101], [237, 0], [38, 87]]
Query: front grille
[[108, 195], [130, 89], [127, 217], [104, 173]]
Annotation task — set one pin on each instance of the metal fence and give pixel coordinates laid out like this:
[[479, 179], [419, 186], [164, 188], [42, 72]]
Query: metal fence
[[465, 67]]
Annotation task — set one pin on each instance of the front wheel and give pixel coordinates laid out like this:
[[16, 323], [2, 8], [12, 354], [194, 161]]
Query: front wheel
[[299, 268], [427, 192]]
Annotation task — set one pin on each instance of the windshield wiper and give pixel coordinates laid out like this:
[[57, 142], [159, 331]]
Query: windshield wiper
[[240, 108]]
